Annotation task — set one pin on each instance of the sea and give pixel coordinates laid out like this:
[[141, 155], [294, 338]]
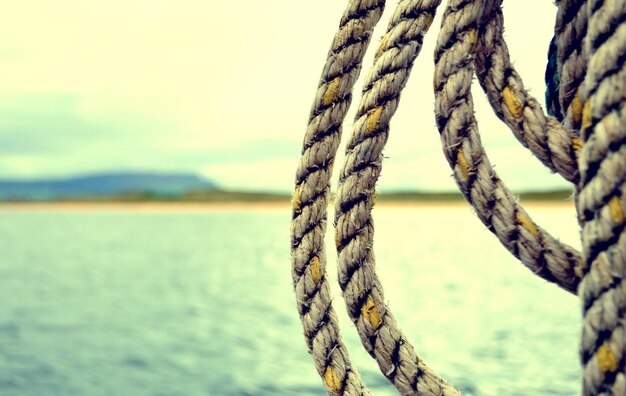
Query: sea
[[199, 301]]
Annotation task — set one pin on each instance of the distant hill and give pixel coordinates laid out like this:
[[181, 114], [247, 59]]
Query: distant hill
[[415, 196], [104, 184], [218, 195], [196, 196], [188, 187]]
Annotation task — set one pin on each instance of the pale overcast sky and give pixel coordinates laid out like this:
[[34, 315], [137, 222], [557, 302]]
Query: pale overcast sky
[[220, 88]]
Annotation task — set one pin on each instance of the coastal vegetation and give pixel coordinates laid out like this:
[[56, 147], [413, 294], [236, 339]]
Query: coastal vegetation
[[182, 187]]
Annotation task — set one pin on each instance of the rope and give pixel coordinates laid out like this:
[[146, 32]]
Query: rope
[[570, 28], [602, 201], [544, 136], [310, 199], [494, 204], [591, 87], [361, 288]]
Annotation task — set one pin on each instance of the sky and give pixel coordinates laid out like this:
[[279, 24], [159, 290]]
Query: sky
[[222, 89]]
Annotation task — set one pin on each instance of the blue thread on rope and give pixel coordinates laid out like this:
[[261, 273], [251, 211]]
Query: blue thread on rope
[[552, 82]]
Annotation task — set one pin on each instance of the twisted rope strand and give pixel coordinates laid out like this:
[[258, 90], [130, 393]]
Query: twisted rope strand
[[310, 198], [546, 138], [493, 202], [570, 28], [362, 290], [602, 200]]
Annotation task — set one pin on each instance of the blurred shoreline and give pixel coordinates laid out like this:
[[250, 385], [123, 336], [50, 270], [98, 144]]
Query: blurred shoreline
[[237, 206]]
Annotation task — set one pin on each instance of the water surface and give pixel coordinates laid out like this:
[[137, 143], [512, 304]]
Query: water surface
[[201, 303]]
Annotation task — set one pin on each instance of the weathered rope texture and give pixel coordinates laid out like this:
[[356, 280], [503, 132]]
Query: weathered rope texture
[[602, 200], [570, 28], [310, 198], [362, 290], [544, 136], [494, 204]]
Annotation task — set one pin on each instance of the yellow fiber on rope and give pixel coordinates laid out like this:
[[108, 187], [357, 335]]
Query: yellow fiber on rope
[[577, 108], [616, 211], [527, 224], [332, 380], [316, 272], [381, 45], [296, 199], [577, 143], [473, 37], [607, 361], [331, 92], [370, 313], [512, 103], [587, 114], [428, 22], [337, 239], [373, 118], [460, 159]]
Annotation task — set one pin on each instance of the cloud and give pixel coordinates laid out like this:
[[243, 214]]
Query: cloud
[[217, 88], [47, 124], [52, 134]]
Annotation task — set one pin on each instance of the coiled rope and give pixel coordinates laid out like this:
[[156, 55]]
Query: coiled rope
[[354, 229], [495, 205], [471, 36], [310, 198], [602, 200], [544, 136]]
